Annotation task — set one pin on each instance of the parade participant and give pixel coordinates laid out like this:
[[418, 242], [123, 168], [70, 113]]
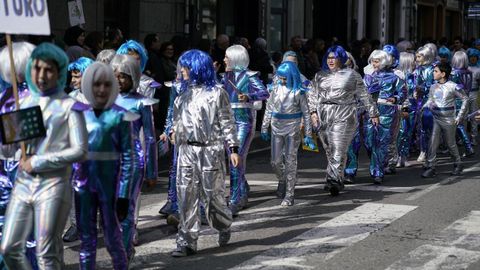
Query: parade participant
[[103, 181], [146, 87], [243, 87], [76, 70], [286, 107], [127, 72], [423, 75], [41, 197], [333, 107], [203, 124], [474, 67], [392, 155], [292, 57], [462, 75], [8, 168], [441, 101], [407, 123], [385, 89], [106, 56], [444, 54]]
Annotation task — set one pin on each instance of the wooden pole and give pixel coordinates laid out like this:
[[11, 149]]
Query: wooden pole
[[13, 79]]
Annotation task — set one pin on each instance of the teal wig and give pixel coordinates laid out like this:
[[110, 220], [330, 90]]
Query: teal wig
[[48, 52], [80, 64], [132, 45], [200, 66], [290, 71]]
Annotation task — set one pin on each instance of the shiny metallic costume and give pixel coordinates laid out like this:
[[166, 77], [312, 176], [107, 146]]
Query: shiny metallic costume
[[351, 166], [284, 113], [441, 102], [78, 96], [42, 199], [423, 76], [138, 104], [473, 99], [8, 171], [245, 82], [334, 97], [407, 124], [172, 172], [203, 122], [147, 86], [463, 77], [382, 85], [106, 175]]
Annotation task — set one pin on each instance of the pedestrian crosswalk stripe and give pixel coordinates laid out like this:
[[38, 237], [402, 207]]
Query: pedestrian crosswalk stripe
[[329, 238], [456, 247]]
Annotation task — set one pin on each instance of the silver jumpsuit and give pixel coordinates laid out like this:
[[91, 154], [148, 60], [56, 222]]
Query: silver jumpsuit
[[284, 112], [203, 121], [441, 102], [334, 97], [42, 198]]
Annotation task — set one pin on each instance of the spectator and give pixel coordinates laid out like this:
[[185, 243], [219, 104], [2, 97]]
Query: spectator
[[260, 60], [458, 44], [75, 39], [297, 46], [94, 42], [113, 38], [221, 44]]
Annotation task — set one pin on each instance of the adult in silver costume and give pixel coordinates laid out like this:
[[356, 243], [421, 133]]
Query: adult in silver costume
[[203, 123], [333, 108]]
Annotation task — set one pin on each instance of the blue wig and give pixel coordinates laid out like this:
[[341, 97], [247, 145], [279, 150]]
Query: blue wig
[[48, 52], [392, 51], [339, 53], [81, 64], [290, 71], [472, 52], [200, 66], [444, 52], [476, 42], [132, 45]]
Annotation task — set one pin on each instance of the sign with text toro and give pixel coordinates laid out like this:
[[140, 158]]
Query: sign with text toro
[[24, 17]]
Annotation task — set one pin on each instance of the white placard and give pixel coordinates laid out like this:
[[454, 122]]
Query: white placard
[[75, 12], [24, 17]]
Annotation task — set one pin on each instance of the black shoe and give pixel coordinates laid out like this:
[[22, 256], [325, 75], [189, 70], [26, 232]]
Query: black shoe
[[429, 173], [166, 209], [378, 180], [173, 220], [349, 179], [457, 170], [71, 235], [468, 153], [224, 237], [182, 252], [235, 208], [334, 187], [390, 171]]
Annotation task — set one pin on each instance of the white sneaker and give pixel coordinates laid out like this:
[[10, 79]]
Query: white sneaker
[[400, 163], [422, 157], [407, 164]]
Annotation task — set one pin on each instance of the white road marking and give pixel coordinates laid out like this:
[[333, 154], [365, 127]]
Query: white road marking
[[456, 247], [329, 238]]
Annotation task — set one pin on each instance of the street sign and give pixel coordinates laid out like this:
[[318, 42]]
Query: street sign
[[24, 17]]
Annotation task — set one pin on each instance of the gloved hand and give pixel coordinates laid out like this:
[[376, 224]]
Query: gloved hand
[[265, 136], [308, 141], [122, 209]]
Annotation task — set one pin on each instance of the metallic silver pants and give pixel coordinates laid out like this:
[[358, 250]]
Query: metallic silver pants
[[337, 128], [44, 202], [201, 176], [284, 161], [445, 126]]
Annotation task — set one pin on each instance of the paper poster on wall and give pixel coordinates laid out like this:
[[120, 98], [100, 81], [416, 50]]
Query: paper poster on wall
[[75, 12], [24, 17]]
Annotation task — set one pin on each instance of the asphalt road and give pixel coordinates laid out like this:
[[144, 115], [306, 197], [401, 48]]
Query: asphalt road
[[406, 223]]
